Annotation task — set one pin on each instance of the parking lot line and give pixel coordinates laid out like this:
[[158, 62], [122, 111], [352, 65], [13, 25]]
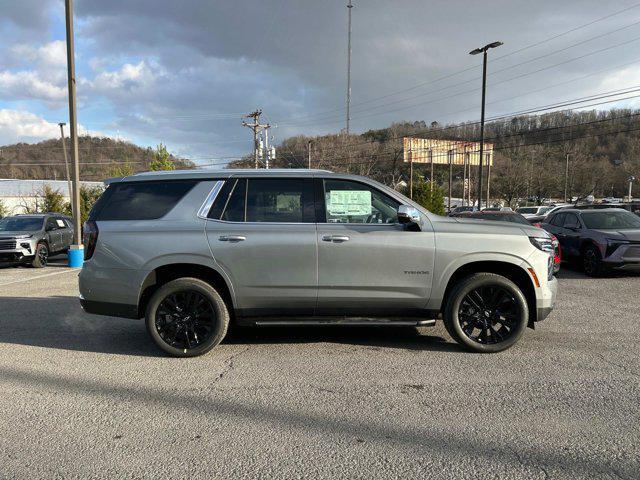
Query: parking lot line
[[39, 276]]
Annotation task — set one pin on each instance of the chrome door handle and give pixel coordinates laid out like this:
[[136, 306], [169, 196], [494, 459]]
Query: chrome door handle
[[335, 238], [232, 238]]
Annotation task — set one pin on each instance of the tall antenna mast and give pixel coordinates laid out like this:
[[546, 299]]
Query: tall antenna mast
[[349, 7]]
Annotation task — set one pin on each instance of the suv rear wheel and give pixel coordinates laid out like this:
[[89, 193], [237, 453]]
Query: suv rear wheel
[[486, 313], [187, 317]]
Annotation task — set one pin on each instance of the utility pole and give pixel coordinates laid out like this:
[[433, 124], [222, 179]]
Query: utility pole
[[488, 177], [66, 162], [74, 256], [566, 176], [349, 7], [450, 155], [482, 50], [309, 152], [410, 173], [256, 127]]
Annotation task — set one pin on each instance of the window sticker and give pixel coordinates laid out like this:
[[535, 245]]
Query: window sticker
[[349, 202], [60, 223]]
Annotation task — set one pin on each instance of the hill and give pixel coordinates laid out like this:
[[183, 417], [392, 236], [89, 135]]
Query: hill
[[100, 158], [530, 153]]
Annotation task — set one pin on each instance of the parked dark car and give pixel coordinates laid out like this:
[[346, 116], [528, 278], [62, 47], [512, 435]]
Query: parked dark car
[[600, 239], [514, 217], [31, 239], [461, 209]]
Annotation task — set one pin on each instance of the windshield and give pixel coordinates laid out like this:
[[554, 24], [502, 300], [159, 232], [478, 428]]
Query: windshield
[[544, 210], [21, 224], [611, 220], [527, 210]]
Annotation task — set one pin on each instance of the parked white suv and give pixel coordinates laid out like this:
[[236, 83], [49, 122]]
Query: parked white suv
[[193, 251]]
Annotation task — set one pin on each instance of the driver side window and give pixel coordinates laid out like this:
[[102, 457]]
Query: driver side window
[[51, 225], [352, 202]]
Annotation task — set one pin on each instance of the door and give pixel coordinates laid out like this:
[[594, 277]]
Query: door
[[53, 232], [571, 234], [66, 232], [369, 264], [263, 236]]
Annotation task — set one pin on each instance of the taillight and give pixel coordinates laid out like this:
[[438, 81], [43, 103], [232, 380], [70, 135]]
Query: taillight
[[557, 256], [89, 238]]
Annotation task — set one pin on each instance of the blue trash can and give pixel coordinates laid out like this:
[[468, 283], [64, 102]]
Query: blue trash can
[[76, 256]]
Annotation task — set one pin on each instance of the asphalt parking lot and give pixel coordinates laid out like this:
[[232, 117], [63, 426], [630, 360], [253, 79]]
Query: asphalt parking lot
[[88, 396]]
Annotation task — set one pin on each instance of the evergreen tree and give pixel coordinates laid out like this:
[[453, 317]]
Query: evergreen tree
[[162, 160]]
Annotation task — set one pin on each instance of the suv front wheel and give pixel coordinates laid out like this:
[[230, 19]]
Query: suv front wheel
[[187, 317], [486, 313]]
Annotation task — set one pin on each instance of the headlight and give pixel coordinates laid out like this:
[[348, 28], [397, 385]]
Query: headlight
[[613, 244], [543, 243]]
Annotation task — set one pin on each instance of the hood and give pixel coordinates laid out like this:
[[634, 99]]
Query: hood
[[14, 234], [631, 234], [506, 228]]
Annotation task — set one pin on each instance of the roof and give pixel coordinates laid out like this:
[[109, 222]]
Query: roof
[[12, 187], [226, 173]]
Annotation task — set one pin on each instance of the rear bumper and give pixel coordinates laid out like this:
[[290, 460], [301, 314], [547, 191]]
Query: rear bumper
[[109, 309]]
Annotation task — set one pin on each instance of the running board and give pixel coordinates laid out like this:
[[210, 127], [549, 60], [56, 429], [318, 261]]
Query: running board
[[347, 322]]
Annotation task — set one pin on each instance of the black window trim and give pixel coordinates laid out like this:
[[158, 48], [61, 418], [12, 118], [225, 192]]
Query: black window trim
[[246, 193]]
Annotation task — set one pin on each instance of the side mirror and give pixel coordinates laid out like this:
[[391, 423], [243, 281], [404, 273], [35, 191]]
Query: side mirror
[[49, 228], [408, 214]]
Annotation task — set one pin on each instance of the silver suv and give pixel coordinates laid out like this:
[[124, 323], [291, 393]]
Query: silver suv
[[31, 239], [194, 251]]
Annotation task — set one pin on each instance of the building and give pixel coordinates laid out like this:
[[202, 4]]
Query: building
[[17, 195]]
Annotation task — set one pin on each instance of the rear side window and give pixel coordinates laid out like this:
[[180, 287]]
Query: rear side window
[[558, 219], [286, 200], [141, 200], [234, 211]]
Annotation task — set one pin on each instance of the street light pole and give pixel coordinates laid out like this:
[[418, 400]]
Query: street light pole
[[631, 180], [482, 50], [66, 162]]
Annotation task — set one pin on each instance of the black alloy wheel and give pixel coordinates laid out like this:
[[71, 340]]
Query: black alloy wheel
[[592, 261], [42, 256], [489, 314], [486, 313], [185, 319]]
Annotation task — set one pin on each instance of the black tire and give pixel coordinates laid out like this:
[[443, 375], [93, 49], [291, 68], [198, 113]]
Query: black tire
[[197, 324], [592, 261], [506, 306], [41, 257]]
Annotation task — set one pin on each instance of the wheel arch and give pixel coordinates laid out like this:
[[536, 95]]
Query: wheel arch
[[167, 272], [516, 273]]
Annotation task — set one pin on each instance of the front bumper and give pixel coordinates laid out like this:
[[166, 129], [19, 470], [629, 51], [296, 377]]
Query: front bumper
[[625, 257], [21, 249], [546, 299]]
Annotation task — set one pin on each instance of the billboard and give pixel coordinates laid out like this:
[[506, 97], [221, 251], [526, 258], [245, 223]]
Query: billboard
[[426, 150]]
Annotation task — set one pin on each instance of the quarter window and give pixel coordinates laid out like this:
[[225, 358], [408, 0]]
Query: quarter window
[[353, 202]]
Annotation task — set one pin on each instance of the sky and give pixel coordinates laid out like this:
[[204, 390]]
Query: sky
[[185, 72]]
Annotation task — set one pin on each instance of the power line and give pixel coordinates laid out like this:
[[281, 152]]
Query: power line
[[445, 77]]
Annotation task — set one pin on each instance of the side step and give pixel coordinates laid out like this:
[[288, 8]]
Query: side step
[[316, 321]]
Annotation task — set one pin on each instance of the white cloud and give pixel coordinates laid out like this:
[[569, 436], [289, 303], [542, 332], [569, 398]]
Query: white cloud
[[50, 54], [129, 76], [29, 84], [20, 125]]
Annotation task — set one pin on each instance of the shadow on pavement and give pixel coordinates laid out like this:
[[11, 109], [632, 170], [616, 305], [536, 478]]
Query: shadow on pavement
[[407, 338], [472, 445], [59, 322], [574, 272], [55, 261]]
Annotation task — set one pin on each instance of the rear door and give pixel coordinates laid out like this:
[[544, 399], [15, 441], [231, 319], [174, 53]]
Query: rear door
[[262, 234], [368, 264]]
